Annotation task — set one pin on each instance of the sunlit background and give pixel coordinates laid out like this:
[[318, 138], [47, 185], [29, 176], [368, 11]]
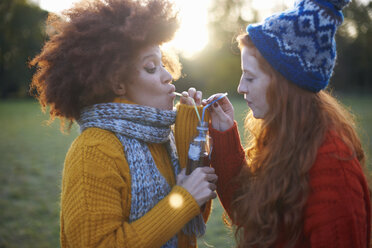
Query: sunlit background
[[193, 34], [32, 154], [193, 22]]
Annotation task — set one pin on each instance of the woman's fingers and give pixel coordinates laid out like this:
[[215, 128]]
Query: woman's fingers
[[182, 173], [192, 92], [215, 96], [185, 98], [201, 184], [219, 111], [212, 178], [181, 176], [198, 97], [222, 119], [213, 195], [212, 97], [191, 96]]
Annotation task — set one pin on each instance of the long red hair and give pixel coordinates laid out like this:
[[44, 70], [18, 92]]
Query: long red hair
[[282, 147]]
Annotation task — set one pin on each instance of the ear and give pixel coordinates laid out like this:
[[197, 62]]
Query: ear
[[119, 89]]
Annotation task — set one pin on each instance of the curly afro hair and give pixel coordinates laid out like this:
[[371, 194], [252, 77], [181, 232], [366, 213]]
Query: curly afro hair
[[94, 44]]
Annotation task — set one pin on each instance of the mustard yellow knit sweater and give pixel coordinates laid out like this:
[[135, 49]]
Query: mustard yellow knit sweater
[[96, 192]]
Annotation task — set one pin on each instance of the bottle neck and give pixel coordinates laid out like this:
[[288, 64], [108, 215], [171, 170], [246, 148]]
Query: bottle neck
[[202, 134], [202, 129]]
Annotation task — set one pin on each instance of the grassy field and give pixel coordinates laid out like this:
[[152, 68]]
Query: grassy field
[[31, 163]]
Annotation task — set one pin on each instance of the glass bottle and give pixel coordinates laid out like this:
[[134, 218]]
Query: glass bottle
[[199, 149]]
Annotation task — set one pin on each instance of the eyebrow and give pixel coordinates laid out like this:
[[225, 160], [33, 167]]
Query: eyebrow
[[248, 71], [153, 55]]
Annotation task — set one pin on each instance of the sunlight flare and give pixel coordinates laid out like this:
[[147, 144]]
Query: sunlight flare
[[175, 200], [190, 39]]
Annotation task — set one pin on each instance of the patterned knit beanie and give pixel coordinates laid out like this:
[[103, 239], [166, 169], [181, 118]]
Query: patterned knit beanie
[[299, 43]]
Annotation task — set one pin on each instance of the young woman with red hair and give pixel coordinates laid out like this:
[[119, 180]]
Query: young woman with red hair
[[302, 180], [122, 184]]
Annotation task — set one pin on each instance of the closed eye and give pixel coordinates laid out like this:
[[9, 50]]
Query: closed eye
[[150, 70]]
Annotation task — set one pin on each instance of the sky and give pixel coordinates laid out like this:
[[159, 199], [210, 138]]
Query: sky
[[190, 15]]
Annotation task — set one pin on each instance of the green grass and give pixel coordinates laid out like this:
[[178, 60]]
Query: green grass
[[31, 163], [362, 109]]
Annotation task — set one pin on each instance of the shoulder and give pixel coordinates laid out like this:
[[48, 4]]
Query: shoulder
[[335, 160], [104, 140], [95, 171], [337, 184], [334, 154], [334, 144], [95, 150]]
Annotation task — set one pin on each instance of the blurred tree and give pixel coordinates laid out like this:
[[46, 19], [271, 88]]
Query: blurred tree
[[353, 71], [217, 68], [21, 37]]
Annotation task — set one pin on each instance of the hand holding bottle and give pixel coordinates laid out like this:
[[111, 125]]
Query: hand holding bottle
[[201, 184]]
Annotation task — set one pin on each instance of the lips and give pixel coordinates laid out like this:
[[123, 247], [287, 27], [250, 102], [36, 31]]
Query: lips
[[172, 90], [249, 102]]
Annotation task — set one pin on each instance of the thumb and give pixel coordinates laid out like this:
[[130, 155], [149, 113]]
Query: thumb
[[181, 176]]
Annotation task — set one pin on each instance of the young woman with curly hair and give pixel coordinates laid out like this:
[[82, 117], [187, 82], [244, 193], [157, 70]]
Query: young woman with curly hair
[[302, 180], [122, 183]]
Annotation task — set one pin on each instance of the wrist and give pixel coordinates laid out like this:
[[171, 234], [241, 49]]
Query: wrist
[[227, 125], [223, 126], [227, 141]]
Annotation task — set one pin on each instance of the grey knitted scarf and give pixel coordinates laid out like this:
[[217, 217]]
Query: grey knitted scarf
[[136, 125]]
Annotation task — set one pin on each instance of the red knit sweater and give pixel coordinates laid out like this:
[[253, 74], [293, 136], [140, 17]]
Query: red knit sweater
[[337, 212]]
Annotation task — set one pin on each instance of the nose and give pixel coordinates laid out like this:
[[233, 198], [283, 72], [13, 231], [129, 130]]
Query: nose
[[167, 77], [242, 88]]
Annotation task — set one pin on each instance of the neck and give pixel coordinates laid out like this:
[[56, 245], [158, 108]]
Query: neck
[[122, 100]]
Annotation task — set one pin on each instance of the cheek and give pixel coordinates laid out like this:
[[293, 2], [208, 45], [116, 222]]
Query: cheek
[[264, 94], [149, 84]]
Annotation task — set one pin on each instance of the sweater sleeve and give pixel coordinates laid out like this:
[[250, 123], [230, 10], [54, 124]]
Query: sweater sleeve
[[95, 202], [337, 213], [185, 130], [228, 158]]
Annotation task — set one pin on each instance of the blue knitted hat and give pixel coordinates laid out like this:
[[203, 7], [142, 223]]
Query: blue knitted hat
[[299, 43]]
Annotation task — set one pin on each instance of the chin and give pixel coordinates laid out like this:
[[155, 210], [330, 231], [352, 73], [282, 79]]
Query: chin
[[257, 116], [164, 104], [170, 106], [167, 106]]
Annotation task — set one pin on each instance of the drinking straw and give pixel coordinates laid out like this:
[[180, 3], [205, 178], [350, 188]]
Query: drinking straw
[[209, 104], [196, 109]]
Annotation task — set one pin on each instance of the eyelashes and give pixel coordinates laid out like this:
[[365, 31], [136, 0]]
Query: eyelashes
[[151, 70]]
